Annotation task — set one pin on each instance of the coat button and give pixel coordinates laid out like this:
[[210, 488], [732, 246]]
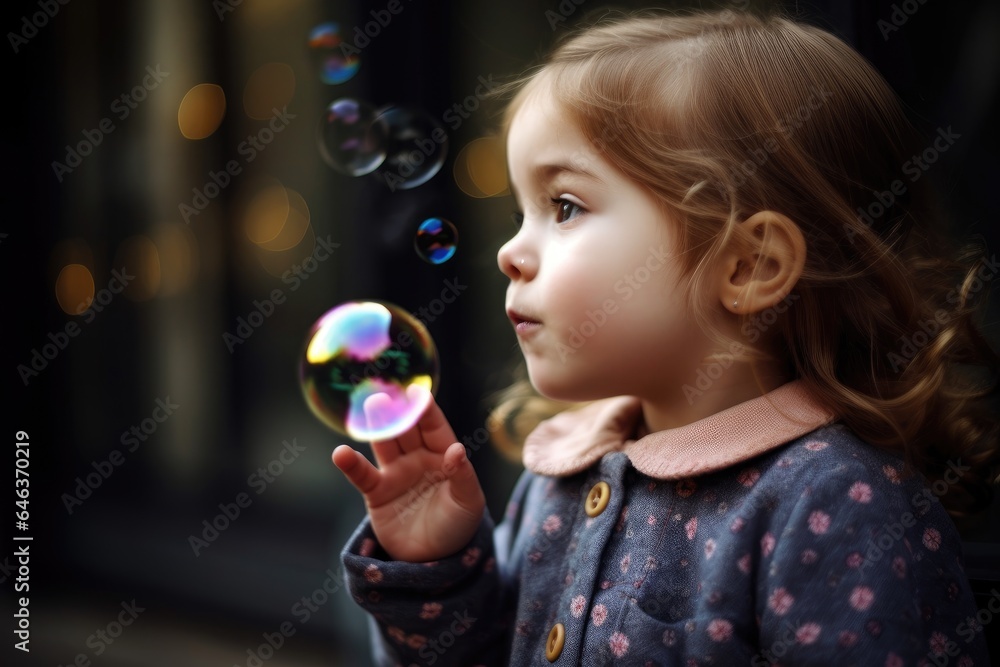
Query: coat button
[[597, 499], [554, 644]]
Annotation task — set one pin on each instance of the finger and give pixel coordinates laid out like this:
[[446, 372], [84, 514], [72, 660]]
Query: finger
[[435, 430], [465, 487], [374, 407], [358, 470], [418, 400]]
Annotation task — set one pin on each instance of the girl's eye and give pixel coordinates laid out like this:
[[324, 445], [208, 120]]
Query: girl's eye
[[566, 210], [517, 217]]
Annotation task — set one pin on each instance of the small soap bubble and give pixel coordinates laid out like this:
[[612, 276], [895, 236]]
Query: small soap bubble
[[416, 147], [349, 139], [436, 240], [328, 56], [362, 348], [336, 69]]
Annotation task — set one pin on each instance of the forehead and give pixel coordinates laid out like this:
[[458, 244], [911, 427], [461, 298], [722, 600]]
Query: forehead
[[543, 132]]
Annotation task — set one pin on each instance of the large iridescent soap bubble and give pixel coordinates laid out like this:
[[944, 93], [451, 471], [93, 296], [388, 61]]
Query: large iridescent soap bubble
[[363, 348]]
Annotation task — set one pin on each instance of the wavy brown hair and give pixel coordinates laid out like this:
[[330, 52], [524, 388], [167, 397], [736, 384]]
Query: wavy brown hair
[[723, 114]]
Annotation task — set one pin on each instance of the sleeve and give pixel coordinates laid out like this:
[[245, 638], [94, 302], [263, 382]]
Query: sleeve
[[865, 570], [454, 611]]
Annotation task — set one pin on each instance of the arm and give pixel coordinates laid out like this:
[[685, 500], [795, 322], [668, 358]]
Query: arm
[[426, 562], [453, 611]]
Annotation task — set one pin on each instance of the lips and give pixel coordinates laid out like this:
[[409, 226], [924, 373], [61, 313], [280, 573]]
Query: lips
[[523, 324]]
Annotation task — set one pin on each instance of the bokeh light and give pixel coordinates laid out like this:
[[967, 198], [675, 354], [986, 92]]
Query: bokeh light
[[276, 218], [141, 260], [436, 240], [271, 87], [74, 289], [283, 263], [201, 111], [362, 348], [480, 168]]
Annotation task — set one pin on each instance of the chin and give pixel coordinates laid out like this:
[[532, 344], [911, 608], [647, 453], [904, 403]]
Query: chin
[[566, 390]]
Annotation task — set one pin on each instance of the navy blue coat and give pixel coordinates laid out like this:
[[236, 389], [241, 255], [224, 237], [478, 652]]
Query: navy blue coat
[[768, 533]]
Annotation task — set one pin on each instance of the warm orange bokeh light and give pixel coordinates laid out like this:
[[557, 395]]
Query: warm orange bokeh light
[[74, 289], [201, 111]]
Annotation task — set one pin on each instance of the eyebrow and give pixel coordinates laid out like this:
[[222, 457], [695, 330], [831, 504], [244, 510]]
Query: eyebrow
[[546, 173]]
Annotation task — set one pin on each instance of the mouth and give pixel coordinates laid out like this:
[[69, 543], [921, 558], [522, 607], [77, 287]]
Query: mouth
[[523, 324]]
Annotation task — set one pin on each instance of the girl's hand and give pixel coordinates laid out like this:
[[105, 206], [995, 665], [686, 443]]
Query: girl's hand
[[424, 499]]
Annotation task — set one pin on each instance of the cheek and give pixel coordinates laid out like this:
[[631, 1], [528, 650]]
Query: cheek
[[652, 317], [585, 278]]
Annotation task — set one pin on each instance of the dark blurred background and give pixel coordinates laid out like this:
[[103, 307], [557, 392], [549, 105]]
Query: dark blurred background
[[160, 341]]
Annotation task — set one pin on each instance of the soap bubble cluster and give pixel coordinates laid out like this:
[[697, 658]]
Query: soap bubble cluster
[[405, 147]]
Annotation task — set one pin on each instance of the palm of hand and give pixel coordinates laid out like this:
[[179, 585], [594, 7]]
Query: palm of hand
[[424, 500]]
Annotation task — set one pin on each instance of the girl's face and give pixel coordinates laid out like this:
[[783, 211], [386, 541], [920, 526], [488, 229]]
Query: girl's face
[[596, 294]]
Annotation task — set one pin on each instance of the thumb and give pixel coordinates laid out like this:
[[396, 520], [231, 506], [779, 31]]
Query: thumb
[[465, 487]]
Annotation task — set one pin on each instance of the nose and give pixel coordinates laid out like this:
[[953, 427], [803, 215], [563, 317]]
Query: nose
[[515, 261]]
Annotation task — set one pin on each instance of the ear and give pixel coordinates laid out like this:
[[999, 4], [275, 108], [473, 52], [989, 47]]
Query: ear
[[762, 263]]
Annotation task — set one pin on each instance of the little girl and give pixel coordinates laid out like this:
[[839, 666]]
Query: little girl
[[773, 387]]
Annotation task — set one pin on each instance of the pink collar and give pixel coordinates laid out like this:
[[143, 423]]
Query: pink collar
[[572, 441]]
